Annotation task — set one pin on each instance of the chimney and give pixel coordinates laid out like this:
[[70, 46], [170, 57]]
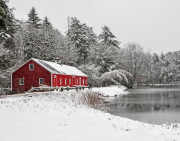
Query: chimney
[[71, 63], [57, 60]]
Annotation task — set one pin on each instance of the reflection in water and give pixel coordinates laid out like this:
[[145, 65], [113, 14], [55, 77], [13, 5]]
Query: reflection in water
[[159, 105]]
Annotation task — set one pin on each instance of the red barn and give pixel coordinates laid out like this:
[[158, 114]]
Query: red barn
[[37, 72]]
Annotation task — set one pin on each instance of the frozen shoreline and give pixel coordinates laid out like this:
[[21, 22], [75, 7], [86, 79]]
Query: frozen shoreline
[[56, 116], [111, 91]]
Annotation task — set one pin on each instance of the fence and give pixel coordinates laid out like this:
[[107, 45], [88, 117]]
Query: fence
[[56, 88]]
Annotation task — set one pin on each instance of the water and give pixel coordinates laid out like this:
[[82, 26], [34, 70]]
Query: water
[[149, 105]]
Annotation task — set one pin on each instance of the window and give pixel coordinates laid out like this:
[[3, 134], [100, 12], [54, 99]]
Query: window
[[69, 81], [83, 81], [65, 81], [77, 81], [60, 81], [31, 67], [21, 81], [41, 81], [54, 76]]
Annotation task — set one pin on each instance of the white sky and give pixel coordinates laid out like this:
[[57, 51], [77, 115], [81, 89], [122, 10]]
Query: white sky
[[155, 24]]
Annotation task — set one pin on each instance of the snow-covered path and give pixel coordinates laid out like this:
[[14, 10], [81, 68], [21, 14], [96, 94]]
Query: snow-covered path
[[56, 116]]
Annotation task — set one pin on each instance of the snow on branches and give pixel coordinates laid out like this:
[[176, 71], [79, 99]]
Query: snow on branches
[[119, 74]]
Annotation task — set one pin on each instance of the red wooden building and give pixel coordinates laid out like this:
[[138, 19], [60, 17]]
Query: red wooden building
[[35, 73]]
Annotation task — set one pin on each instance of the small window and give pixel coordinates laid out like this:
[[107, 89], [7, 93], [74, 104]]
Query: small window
[[69, 81], [31, 67], [60, 81], [41, 81], [54, 76], [65, 81], [77, 81], [21, 81], [83, 81]]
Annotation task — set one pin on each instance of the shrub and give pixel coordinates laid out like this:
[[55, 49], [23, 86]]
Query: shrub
[[93, 100]]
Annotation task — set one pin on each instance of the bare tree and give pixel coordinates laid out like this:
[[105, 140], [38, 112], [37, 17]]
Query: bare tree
[[133, 59]]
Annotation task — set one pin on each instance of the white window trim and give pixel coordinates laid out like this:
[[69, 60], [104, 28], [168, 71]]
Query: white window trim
[[40, 81], [65, 81], [70, 81], [20, 81], [60, 81], [83, 81], [77, 81], [30, 67]]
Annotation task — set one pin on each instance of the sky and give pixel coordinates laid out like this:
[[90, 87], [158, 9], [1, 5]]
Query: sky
[[154, 24]]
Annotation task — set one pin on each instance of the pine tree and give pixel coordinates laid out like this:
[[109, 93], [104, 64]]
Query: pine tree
[[107, 37], [33, 18], [155, 58], [4, 63], [46, 23], [7, 20], [78, 36], [107, 49], [105, 58]]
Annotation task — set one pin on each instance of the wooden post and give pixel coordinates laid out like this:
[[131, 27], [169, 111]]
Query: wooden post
[[76, 88], [61, 89], [67, 88]]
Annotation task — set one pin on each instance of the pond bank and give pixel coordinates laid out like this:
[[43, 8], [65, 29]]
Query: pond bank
[[111, 91], [59, 116]]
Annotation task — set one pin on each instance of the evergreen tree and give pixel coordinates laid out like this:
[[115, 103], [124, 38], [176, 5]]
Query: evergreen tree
[[107, 37], [162, 56], [4, 63], [7, 21], [78, 35], [105, 58], [33, 18], [155, 58], [92, 38], [107, 49], [46, 23]]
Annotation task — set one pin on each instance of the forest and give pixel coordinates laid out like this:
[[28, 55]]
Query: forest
[[93, 54]]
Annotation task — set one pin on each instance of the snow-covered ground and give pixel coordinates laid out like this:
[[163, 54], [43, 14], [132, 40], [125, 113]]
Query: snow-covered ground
[[51, 116], [111, 91]]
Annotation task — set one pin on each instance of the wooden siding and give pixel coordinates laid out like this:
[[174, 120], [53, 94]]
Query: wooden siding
[[73, 80], [31, 78]]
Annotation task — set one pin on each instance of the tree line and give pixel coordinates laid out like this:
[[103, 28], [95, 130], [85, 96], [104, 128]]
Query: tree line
[[93, 54]]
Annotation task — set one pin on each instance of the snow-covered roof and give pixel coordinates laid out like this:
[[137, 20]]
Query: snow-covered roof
[[59, 69]]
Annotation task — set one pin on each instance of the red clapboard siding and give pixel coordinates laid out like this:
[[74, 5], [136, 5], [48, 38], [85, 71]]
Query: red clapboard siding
[[71, 81], [31, 78]]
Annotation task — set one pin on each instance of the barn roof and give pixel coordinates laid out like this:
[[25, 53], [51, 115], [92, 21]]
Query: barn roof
[[59, 69]]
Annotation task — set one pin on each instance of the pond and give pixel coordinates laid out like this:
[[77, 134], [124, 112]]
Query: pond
[[149, 105]]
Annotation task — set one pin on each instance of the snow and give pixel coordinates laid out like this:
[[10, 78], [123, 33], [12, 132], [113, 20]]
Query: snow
[[111, 91], [50, 116], [59, 69]]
